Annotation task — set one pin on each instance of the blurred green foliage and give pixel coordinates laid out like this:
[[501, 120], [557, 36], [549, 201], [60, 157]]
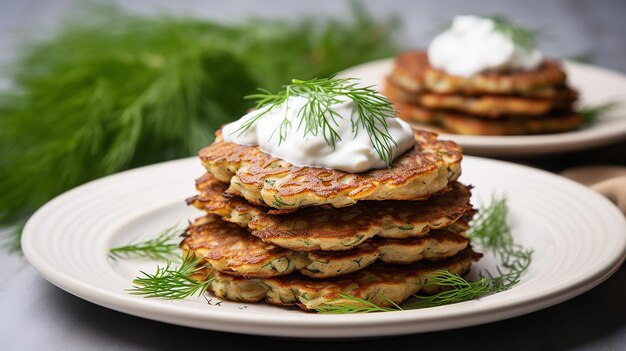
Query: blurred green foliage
[[112, 90]]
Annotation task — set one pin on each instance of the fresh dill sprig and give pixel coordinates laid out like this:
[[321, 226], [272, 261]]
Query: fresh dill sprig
[[458, 290], [163, 246], [491, 232], [317, 116], [490, 229], [521, 36], [355, 305], [173, 283], [591, 114], [583, 57]]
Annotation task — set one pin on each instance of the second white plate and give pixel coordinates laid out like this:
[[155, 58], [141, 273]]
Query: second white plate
[[596, 86], [579, 240]]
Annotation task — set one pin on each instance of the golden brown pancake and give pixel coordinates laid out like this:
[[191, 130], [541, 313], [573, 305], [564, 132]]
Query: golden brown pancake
[[492, 106], [458, 123], [231, 249], [425, 169], [382, 284], [328, 229], [413, 72]]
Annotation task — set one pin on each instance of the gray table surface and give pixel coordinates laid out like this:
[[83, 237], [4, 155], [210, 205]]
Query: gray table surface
[[35, 315]]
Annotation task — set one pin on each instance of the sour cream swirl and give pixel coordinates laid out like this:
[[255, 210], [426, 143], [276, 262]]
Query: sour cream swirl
[[473, 45]]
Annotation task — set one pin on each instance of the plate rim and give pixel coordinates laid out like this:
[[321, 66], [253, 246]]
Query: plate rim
[[172, 313]]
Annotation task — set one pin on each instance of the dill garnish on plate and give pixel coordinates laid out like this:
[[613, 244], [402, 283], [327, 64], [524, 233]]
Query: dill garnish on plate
[[490, 232]]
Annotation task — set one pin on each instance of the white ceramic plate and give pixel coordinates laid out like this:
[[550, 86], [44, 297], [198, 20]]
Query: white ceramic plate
[[596, 86], [579, 240]]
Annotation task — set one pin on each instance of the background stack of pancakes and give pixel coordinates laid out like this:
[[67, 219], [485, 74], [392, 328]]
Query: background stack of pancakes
[[488, 103], [304, 236]]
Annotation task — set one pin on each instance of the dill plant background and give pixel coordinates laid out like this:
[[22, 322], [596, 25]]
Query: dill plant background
[[112, 90]]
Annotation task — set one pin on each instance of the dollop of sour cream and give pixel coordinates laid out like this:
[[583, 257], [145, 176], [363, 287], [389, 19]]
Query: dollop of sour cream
[[472, 45], [352, 153]]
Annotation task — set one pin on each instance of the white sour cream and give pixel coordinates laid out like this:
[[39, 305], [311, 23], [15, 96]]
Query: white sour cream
[[353, 153], [472, 45]]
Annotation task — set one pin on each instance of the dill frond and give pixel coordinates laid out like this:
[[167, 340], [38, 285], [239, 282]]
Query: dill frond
[[354, 305], [459, 290], [592, 114], [173, 283], [490, 229], [371, 111], [521, 36], [163, 246]]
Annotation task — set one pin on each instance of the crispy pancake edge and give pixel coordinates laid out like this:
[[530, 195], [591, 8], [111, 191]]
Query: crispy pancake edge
[[317, 228], [383, 284], [458, 123], [231, 249], [262, 179], [490, 106]]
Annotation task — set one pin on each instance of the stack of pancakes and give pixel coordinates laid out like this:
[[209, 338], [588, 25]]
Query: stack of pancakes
[[305, 236], [488, 103]]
